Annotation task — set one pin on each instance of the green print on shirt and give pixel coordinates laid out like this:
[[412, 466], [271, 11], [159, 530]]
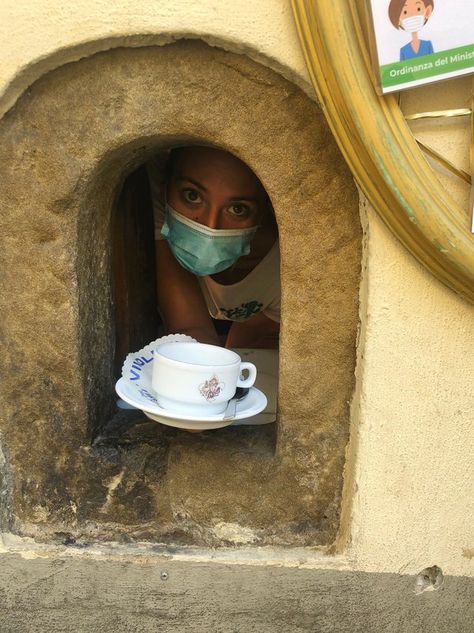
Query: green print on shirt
[[244, 311]]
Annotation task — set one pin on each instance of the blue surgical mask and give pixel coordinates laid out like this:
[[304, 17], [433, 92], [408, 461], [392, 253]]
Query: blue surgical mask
[[201, 250]]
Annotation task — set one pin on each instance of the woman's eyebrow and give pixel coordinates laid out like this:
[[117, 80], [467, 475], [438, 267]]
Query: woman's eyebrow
[[192, 181], [244, 199]]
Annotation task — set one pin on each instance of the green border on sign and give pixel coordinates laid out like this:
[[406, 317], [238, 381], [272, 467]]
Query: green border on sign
[[427, 66]]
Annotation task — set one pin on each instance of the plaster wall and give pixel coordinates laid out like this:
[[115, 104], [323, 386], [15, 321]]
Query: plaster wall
[[409, 472]]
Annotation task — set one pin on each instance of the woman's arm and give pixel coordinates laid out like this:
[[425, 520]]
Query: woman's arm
[[180, 299], [258, 332]]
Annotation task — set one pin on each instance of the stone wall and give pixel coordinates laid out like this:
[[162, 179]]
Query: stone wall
[[66, 147]]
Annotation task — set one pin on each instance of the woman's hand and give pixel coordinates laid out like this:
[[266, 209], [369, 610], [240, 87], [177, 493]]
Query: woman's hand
[[258, 332]]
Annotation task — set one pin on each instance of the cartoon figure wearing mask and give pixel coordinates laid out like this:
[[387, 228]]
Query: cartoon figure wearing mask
[[411, 16]]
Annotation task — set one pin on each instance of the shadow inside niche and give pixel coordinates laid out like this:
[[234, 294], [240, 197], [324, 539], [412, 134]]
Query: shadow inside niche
[[129, 428], [137, 320]]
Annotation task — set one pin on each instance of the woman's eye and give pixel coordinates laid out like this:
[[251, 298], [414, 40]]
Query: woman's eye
[[240, 210], [191, 195]]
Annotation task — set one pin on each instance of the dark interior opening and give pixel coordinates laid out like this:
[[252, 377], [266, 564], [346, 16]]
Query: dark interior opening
[[137, 320]]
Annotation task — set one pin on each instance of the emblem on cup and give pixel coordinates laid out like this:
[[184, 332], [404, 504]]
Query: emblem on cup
[[211, 388]]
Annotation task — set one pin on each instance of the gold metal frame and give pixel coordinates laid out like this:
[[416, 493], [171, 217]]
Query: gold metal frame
[[378, 145]]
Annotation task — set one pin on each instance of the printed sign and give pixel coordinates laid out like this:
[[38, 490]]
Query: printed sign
[[421, 41]]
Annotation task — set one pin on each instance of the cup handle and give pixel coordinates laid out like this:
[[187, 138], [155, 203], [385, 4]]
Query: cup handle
[[247, 382]]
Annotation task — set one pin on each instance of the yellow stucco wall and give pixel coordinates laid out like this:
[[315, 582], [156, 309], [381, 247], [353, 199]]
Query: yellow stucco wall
[[408, 495]]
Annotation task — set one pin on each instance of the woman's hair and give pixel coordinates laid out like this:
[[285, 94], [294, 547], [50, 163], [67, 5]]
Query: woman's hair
[[395, 9]]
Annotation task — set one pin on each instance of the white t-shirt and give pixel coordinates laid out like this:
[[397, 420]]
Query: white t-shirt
[[259, 291]]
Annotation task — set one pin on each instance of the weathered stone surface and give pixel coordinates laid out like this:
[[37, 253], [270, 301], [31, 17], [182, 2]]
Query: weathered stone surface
[[64, 151], [85, 594]]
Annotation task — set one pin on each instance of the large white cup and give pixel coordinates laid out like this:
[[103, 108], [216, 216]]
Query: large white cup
[[196, 378]]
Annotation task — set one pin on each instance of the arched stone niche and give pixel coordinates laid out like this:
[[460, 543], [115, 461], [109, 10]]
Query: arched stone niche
[[66, 148]]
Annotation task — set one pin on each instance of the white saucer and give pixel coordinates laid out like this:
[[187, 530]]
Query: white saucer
[[135, 389], [144, 399]]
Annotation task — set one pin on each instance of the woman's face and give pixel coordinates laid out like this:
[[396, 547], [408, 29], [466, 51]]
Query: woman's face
[[413, 8], [216, 189]]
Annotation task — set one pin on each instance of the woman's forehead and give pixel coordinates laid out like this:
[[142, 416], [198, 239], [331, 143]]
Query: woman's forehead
[[211, 164]]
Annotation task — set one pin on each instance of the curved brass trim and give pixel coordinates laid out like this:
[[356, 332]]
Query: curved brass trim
[[379, 147]]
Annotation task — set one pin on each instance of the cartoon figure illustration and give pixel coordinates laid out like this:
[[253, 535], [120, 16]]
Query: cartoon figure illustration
[[411, 16]]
